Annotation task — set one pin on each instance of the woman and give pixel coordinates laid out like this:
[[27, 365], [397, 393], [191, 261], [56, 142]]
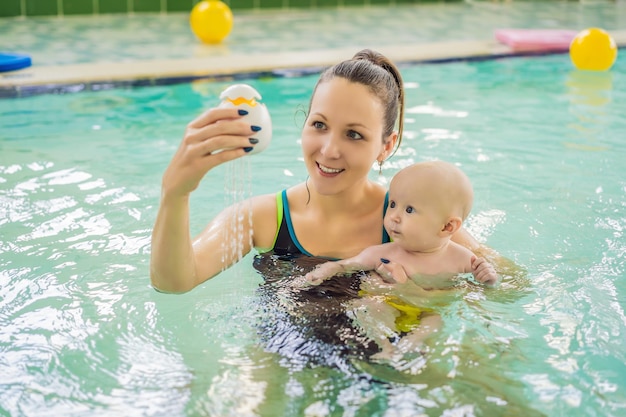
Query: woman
[[355, 109]]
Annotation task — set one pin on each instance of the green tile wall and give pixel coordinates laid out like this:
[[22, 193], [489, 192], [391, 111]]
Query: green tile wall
[[41, 7], [112, 6], [300, 4], [274, 4], [325, 3], [9, 8], [179, 5], [77, 7], [240, 4], [141, 6]]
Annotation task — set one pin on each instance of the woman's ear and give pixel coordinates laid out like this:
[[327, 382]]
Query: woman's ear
[[452, 225], [388, 146]]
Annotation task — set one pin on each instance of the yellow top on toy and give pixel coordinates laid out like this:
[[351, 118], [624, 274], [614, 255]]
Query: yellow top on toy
[[211, 21], [244, 96]]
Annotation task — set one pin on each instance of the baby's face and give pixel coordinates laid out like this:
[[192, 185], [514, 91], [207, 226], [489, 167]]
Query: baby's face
[[414, 218]]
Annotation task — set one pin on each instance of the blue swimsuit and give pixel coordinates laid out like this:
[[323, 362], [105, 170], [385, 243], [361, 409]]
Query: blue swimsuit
[[286, 242]]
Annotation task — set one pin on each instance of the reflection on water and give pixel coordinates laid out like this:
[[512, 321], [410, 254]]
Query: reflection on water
[[589, 93], [66, 246], [316, 346], [309, 325], [83, 333]]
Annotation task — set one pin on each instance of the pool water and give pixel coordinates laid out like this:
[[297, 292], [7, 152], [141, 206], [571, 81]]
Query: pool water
[[83, 333]]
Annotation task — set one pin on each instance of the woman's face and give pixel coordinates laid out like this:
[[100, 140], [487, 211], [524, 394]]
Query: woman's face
[[342, 136]]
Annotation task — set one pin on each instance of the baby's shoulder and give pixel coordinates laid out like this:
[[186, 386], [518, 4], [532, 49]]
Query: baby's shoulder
[[460, 250], [460, 256]]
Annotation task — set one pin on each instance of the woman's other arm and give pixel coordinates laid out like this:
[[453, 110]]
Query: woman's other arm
[[502, 265]]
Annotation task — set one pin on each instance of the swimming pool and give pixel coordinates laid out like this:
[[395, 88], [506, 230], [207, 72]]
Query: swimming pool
[[83, 333]]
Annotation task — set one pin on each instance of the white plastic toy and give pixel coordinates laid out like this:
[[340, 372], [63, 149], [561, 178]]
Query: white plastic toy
[[242, 96]]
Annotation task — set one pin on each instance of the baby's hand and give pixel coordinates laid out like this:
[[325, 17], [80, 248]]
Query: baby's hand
[[483, 271], [391, 272], [322, 272]]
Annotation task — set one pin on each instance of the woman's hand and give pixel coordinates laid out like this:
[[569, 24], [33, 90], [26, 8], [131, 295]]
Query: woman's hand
[[217, 136], [391, 272]]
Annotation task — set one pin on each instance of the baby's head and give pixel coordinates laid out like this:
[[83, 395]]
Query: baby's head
[[429, 200]]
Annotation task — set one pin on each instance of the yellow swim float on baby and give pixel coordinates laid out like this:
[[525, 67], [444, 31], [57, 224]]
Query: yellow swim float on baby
[[410, 315]]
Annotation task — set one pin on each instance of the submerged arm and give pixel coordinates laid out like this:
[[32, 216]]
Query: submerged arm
[[502, 265], [364, 261]]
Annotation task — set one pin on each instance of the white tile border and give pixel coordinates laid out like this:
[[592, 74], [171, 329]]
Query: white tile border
[[246, 63]]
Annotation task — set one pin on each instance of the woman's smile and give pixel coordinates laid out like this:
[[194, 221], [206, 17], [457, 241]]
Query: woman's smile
[[328, 171]]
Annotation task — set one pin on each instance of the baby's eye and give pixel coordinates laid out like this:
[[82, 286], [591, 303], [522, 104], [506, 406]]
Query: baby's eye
[[392, 204], [353, 134], [410, 210], [318, 125]]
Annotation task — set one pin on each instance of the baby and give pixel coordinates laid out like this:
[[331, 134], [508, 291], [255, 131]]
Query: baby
[[428, 202]]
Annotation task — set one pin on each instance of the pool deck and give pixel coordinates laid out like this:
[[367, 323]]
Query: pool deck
[[249, 51], [240, 63]]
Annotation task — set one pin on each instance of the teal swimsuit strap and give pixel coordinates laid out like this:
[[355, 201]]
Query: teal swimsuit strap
[[294, 239], [386, 238]]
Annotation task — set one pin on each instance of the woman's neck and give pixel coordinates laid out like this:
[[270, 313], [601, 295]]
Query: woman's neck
[[353, 201]]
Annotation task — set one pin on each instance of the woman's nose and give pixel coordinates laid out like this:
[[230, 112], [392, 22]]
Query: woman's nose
[[330, 147]]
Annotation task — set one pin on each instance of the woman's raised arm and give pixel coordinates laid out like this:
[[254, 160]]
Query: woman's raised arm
[[176, 263]]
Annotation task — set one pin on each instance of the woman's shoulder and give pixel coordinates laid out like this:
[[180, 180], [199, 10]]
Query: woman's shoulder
[[267, 204], [264, 219], [296, 190], [263, 203]]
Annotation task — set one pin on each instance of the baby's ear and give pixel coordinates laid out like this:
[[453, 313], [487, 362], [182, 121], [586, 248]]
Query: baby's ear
[[452, 225]]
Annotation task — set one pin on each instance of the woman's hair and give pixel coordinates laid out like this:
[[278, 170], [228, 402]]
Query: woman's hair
[[382, 77]]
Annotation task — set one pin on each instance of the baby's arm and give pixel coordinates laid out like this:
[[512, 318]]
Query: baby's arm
[[483, 271], [364, 261]]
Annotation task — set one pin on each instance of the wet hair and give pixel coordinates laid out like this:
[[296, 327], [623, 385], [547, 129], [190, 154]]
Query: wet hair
[[376, 72]]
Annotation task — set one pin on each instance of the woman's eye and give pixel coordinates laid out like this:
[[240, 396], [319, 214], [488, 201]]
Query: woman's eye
[[352, 134], [318, 125], [410, 209]]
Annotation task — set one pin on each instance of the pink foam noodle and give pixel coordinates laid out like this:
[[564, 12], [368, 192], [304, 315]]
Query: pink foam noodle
[[536, 39]]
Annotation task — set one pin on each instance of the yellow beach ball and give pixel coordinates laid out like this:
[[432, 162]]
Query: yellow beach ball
[[211, 21], [593, 49]]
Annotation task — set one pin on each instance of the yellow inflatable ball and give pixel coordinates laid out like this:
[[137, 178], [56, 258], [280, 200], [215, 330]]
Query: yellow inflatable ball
[[593, 49], [211, 21]]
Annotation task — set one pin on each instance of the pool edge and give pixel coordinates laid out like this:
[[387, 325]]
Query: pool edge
[[61, 79]]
